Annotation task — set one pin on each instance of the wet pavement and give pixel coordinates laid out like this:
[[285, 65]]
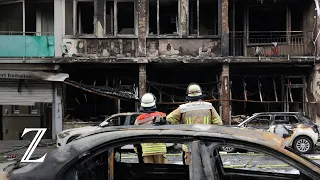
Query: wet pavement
[[17, 148]]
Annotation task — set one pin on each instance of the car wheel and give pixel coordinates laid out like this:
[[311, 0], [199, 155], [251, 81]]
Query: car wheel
[[228, 149], [72, 138], [303, 144]]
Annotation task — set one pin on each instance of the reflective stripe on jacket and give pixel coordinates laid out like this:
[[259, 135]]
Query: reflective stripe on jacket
[[198, 112], [151, 148]]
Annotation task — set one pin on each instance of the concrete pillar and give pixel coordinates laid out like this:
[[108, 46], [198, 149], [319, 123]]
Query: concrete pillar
[[224, 27], [315, 92], [99, 18], [142, 80], [58, 27], [142, 27], [184, 13], [225, 95], [57, 109]]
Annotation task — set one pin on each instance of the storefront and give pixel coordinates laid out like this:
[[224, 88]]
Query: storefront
[[30, 99]]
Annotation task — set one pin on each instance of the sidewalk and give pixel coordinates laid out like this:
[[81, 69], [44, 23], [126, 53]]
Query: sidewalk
[[17, 148]]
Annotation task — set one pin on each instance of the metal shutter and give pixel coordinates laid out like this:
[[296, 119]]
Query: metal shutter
[[36, 91]]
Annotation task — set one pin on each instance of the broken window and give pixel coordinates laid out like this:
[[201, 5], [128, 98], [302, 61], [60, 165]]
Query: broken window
[[267, 24], [259, 122], [258, 162], [126, 17], [123, 22], [117, 121], [109, 24], [285, 120], [203, 17], [121, 162], [85, 14], [163, 17], [153, 25]]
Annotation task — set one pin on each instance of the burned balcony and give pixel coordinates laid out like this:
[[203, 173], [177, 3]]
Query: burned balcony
[[271, 43]]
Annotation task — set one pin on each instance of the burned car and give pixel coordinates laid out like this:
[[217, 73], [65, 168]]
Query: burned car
[[99, 156], [299, 131], [119, 119]]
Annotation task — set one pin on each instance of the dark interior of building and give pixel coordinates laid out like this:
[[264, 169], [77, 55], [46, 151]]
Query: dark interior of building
[[169, 82], [85, 105], [276, 83]]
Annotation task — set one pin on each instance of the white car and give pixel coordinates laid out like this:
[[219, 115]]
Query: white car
[[120, 119], [299, 132]]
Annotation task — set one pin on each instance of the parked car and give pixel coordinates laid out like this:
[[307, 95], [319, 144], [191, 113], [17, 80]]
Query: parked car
[[120, 119], [98, 155], [299, 131]]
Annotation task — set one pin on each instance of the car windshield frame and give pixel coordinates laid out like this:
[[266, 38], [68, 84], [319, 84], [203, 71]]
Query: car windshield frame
[[106, 122], [110, 145]]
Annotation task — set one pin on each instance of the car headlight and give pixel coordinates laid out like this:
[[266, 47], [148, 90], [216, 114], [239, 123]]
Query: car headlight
[[63, 135]]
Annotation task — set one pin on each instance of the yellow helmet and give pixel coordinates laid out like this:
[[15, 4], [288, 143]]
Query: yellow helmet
[[194, 90]]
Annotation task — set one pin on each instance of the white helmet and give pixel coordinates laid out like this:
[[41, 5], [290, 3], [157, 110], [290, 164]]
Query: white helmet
[[148, 100], [194, 90]]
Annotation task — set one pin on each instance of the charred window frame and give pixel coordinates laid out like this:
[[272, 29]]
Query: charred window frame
[[84, 12], [203, 20], [116, 18], [158, 12]]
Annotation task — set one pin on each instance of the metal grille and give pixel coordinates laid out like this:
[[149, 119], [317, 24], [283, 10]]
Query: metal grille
[[30, 92]]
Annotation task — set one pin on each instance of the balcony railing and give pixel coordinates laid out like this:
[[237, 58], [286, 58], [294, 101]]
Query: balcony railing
[[26, 44], [271, 43]]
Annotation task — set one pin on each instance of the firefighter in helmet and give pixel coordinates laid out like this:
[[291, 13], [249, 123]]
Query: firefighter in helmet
[[195, 111], [151, 152]]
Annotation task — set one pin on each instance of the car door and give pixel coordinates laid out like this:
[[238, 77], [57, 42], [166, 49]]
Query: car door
[[259, 122], [284, 124]]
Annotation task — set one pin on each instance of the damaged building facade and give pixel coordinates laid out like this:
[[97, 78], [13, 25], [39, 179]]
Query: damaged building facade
[[30, 84], [248, 55]]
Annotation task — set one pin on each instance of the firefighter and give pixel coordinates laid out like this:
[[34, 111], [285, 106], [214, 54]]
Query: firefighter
[[195, 111], [151, 152]]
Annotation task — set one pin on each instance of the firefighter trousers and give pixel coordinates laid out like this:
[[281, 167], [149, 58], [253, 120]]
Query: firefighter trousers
[[155, 159]]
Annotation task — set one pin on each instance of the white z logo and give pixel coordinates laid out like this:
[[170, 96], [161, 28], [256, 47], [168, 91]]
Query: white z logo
[[34, 144]]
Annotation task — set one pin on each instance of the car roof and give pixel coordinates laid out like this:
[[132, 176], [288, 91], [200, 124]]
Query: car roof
[[60, 157], [275, 113], [125, 114], [259, 136]]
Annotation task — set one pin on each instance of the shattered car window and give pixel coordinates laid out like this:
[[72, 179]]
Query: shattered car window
[[259, 122], [256, 161], [305, 119], [118, 121], [279, 119]]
